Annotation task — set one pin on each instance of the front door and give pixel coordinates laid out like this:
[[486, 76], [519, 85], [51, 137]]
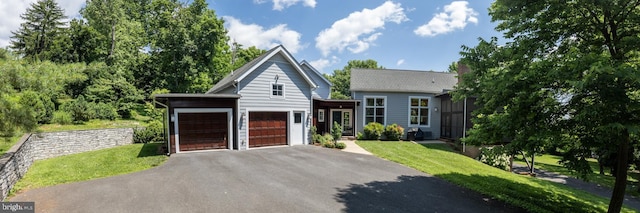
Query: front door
[[343, 117]]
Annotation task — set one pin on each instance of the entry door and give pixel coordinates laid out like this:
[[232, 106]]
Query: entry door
[[343, 117], [297, 129]]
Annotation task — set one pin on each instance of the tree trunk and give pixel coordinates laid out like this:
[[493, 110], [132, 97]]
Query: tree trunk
[[113, 42], [617, 198]]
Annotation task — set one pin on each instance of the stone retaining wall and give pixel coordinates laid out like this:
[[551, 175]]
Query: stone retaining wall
[[17, 160]]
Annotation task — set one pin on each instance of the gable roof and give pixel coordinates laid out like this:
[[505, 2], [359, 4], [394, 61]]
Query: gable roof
[[246, 69], [390, 80], [315, 72]]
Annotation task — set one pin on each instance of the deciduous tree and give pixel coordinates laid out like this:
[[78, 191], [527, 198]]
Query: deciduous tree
[[569, 73]]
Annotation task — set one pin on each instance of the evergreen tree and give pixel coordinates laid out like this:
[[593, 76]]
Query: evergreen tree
[[43, 21]]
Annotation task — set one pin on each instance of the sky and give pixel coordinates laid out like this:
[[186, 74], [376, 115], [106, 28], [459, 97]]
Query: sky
[[398, 34]]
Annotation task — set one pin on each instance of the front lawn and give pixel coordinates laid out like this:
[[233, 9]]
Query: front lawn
[[550, 163], [532, 194], [90, 165]]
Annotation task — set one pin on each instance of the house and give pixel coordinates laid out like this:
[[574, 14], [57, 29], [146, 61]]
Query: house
[[408, 98], [274, 100], [271, 101]]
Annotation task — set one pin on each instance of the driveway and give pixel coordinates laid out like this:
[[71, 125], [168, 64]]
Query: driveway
[[286, 179]]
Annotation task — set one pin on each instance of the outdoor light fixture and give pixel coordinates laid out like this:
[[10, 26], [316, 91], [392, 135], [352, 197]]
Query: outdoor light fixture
[[173, 118], [277, 77], [435, 109]]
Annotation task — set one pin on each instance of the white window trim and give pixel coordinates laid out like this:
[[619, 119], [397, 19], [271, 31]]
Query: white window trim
[[321, 115], [271, 90], [409, 112], [364, 109]]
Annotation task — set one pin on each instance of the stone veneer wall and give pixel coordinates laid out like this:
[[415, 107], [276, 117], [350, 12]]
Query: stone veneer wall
[[15, 163]]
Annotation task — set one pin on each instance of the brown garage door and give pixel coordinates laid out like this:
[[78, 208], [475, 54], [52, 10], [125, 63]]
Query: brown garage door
[[201, 131], [267, 129]]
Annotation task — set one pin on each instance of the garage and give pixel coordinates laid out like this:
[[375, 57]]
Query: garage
[[203, 131], [267, 129]]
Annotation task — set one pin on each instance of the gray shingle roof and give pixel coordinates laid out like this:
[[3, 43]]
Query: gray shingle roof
[[389, 80]]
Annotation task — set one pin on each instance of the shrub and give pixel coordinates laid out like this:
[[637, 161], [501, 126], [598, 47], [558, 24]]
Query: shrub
[[78, 109], [336, 131], [40, 106], [359, 136], [330, 145], [341, 145], [393, 132], [373, 131], [151, 134], [62, 117], [315, 137], [495, 156], [103, 111]]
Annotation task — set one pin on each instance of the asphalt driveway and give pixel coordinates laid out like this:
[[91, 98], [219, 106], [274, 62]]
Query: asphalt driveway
[[287, 179]]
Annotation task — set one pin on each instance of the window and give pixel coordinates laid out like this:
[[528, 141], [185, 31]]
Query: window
[[374, 110], [297, 117], [277, 90], [320, 115], [419, 111]]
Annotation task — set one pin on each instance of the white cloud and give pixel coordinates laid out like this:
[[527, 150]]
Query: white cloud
[[322, 63], [400, 62], [359, 30], [455, 16], [255, 35], [282, 4], [10, 11]]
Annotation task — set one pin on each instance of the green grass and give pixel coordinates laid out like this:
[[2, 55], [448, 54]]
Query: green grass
[[532, 194], [550, 163], [90, 165], [7, 142], [92, 124]]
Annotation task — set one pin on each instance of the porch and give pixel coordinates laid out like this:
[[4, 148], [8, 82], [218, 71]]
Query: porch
[[325, 112]]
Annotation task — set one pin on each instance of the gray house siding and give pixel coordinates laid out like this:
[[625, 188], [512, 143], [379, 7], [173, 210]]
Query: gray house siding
[[324, 90], [397, 110], [228, 90], [255, 90]]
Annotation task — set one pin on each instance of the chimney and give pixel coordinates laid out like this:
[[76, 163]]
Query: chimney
[[462, 69]]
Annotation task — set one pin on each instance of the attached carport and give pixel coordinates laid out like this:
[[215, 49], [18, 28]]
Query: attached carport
[[199, 122]]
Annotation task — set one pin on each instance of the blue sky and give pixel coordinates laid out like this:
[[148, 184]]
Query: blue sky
[[400, 34]]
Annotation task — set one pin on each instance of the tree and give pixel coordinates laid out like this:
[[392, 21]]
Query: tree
[[569, 75], [341, 79], [43, 21]]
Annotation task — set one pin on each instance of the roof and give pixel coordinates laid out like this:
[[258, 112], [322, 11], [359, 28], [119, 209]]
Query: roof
[[242, 72], [390, 80], [195, 95], [315, 72]]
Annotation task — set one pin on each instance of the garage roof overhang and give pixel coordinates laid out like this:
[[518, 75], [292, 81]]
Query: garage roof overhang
[[162, 100]]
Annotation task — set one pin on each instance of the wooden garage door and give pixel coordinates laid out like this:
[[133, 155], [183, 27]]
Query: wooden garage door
[[267, 129], [201, 131]]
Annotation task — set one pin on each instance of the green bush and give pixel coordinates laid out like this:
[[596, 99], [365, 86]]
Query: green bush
[[359, 136], [40, 106], [151, 134], [495, 156], [373, 131], [78, 109], [329, 144], [62, 117], [341, 145], [393, 132], [315, 137], [103, 111], [336, 131]]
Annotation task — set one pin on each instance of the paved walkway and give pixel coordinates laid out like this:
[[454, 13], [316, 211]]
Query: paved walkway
[[592, 188], [354, 148]]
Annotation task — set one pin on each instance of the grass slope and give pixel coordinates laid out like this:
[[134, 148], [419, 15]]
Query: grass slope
[[532, 194], [90, 165]]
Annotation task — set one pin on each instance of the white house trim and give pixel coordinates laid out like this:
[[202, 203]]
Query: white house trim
[[230, 119], [287, 56], [364, 108], [428, 109]]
